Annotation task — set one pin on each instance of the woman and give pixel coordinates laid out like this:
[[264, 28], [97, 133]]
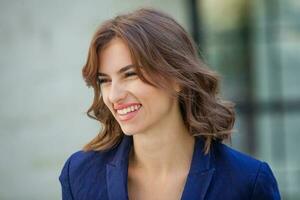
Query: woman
[[162, 120]]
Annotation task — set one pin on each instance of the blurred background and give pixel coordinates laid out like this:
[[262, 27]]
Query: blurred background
[[254, 45]]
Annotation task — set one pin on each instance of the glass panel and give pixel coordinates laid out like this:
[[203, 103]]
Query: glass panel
[[255, 45]]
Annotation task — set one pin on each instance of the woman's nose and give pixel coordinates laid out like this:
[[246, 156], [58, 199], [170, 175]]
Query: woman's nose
[[117, 92]]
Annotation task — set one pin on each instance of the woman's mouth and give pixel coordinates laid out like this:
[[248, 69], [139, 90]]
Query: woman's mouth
[[128, 113]]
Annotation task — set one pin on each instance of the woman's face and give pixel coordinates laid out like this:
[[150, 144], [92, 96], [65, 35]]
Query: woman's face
[[136, 106]]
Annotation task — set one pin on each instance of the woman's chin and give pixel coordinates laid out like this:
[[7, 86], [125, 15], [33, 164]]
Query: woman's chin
[[129, 132]]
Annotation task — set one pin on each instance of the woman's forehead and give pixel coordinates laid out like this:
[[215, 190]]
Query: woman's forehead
[[114, 56]]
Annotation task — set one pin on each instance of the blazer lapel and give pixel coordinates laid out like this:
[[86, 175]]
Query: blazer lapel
[[200, 174], [116, 185], [117, 171], [197, 183]]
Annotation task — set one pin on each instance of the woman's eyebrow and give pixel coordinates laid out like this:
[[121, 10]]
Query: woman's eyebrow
[[123, 69]]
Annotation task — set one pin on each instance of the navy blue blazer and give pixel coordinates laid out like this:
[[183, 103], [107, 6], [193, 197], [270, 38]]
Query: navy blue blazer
[[224, 174]]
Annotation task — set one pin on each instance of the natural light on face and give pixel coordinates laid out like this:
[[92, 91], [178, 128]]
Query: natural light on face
[[136, 105]]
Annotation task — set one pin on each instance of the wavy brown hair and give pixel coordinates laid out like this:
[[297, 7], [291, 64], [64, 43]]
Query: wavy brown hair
[[167, 54]]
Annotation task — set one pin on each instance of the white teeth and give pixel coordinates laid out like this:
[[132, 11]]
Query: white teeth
[[128, 109]]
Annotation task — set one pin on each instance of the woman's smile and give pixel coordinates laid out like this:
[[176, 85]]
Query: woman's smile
[[128, 113]]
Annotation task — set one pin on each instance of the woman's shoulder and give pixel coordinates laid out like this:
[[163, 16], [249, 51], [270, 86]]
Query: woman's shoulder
[[234, 157], [245, 170], [234, 160], [87, 159], [85, 162], [84, 170]]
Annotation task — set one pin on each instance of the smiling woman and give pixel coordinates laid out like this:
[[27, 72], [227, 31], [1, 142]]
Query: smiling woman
[[163, 121]]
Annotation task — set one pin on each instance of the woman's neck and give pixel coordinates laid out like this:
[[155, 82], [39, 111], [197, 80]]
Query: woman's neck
[[163, 152]]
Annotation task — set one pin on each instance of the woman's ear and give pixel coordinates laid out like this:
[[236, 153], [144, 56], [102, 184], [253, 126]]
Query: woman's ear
[[176, 86]]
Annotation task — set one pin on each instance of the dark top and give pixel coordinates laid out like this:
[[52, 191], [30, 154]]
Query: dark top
[[224, 174]]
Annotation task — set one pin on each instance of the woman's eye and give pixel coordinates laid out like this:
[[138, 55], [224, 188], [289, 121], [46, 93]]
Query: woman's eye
[[130, 74], [102, 81]]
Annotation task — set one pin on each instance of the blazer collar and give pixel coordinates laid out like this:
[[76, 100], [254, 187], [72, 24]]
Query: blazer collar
[[197, 183]]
